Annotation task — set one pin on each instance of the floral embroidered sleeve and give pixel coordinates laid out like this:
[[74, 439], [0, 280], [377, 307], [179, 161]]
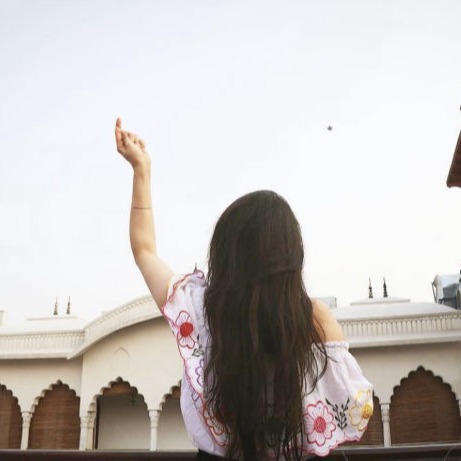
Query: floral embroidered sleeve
[[183, 311], [339, 408]]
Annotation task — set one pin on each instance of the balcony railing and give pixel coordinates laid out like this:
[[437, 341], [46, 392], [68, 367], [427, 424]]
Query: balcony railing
[[403, 330]]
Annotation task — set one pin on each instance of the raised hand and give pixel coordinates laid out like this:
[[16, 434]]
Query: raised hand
[[130, 146]]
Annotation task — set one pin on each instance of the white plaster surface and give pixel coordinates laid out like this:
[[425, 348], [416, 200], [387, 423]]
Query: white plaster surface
[[154, 364], [29, 379], [123, 423], [385, 367], [172, 434]]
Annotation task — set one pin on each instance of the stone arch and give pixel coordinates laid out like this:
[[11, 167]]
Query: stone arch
[[122, 417], [173, 393], [113, 387], [424, 409], [10, 419], [55, 422], [171, 430]]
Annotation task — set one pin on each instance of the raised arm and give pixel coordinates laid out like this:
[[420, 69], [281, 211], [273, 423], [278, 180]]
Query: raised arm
[[156, 273]]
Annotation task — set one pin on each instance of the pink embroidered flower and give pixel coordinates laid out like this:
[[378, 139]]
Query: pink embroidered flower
[[319, 423], [185, 330]]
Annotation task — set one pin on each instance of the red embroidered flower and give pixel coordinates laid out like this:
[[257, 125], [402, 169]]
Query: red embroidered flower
[[319, 423], [185, 330]]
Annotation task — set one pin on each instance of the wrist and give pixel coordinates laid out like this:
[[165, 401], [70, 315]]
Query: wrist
[[142, 166]]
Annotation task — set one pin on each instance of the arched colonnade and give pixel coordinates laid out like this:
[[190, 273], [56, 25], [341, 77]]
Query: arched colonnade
[[118, 418], [422, 409]]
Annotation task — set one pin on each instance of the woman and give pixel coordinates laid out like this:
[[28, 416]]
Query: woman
[[267, 374]]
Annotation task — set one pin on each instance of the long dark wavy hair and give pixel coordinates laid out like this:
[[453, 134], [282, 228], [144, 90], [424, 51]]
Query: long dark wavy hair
[[265, 351]]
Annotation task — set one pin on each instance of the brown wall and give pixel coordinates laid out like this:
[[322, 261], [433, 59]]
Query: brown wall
[[10, 420], [424, 409], [56, 423]]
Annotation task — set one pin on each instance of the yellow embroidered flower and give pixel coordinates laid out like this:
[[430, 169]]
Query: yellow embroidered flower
[[361, 411], [367, 411]]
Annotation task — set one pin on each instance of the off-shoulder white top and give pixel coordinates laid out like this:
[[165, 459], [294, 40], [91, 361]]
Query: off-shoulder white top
[[336, 411]]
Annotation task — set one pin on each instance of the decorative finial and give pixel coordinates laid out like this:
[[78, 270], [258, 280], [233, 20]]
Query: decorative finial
[[384, 288], [55, 312], [68, 307], [370, 289]]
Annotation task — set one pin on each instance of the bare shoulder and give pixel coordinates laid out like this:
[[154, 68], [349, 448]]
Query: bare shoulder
[[327, 326]]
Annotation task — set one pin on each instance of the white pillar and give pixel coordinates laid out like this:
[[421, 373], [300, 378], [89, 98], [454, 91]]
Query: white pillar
[[90, 432], [153, 416], [83, 432], [26, 419], [86, 431], [386, 425]]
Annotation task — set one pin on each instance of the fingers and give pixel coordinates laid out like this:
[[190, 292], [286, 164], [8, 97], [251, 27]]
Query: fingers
[[118, 131], [122, 135], [126, 138], [132, 137], [139, 142], [123, 138]]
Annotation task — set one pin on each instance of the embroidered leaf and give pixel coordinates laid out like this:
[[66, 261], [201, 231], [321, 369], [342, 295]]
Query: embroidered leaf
[[340, 415], [198, 351]]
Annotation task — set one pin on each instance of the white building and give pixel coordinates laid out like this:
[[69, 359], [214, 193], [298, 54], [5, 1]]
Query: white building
[[114, 382]]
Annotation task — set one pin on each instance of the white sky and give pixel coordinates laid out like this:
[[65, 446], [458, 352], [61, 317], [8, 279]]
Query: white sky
[[230, 96]]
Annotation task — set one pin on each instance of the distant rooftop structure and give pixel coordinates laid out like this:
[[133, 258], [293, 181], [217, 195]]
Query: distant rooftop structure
[[447, 290], [389, 308], [49, 324], [330, 301], [383, 300]]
